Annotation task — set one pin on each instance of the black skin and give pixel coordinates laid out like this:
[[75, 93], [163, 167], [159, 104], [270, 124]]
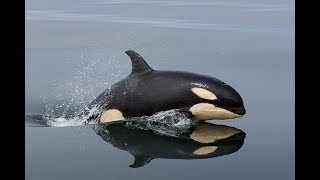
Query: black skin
[[146, 91], [145, 145]]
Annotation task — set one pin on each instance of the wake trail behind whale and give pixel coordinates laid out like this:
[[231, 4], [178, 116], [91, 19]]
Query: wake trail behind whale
[[63, 121]]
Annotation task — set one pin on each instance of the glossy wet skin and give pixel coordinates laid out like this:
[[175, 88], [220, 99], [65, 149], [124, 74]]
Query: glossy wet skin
[[147, 91], [227, 97]]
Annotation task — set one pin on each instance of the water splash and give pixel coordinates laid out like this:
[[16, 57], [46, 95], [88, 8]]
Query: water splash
[[169, 123], [166, 123], [89, 77]]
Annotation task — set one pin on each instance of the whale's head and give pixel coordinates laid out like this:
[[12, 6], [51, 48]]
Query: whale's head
[[218, 100]]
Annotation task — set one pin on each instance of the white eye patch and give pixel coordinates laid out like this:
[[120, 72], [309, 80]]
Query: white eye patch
[[203, 93]]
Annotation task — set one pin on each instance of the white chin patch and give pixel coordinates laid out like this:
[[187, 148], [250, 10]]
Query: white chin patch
[[206, 111], [203, 93], [205, 150], [111, 115]]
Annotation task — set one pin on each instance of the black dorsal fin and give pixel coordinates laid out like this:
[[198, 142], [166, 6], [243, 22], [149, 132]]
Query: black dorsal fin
[[140, 160], [138, 63]]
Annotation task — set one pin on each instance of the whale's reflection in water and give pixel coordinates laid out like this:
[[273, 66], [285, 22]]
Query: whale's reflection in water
[[200, 141]]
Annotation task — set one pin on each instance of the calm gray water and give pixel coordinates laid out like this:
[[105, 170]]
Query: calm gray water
[[75, 50]]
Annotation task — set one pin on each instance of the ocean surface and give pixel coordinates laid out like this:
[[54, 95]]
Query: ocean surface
[[75, 50]]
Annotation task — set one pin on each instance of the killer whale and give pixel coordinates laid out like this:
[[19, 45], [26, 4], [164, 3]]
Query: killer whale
[[147, 91], [202, 141]]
